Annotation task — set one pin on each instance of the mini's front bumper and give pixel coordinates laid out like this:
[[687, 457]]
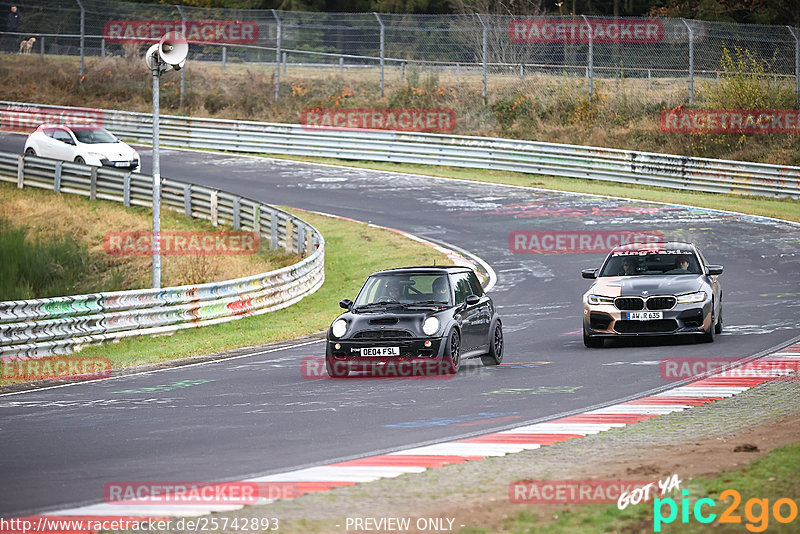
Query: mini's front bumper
[[605, 320], [411, 350]]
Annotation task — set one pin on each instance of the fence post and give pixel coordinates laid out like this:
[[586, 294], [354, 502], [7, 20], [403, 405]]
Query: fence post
[[590, 59], [102, 47], [691, 61], [796, 67], [83, 21], [484, 47], [341, 65], [41, 46], [383, 59], [649, 80], [183, 70], [283, 60], [277, 56], [224, 56]]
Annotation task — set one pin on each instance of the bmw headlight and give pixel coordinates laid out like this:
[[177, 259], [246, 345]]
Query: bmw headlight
[[600, 299], [339, 328], [430, 326], [690, 298]]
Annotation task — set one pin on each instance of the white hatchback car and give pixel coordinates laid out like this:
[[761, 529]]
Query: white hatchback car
[[81, 144]]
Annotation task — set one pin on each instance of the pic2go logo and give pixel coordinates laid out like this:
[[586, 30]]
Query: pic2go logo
[[756, 511]]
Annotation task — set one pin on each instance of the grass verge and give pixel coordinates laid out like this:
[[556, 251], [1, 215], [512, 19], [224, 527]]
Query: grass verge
[[759, 485], [353, 251]]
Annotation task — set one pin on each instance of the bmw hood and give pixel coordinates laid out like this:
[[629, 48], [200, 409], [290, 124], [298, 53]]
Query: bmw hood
[[616, 286]]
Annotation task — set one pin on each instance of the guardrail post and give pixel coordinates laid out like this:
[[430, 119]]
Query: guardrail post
[[20, 170], [257, 218], [484, 47], [214, 206], [237, 213], [102, 47], [41, 46], [187, 200], [93, 185], [224, 56], [649, 80], [183, 70], [590, 59], [301, 238], [126, 189], [283, 61], [383, 58], [273, 227], [691, 61], [277, 57], [796, 67], [341, 65], [83, 21], [57, 177]]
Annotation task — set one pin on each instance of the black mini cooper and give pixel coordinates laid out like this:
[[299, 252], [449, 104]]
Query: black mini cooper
[[421, 317]]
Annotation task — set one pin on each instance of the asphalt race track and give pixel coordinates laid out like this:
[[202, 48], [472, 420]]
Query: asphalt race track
[[258, 414]]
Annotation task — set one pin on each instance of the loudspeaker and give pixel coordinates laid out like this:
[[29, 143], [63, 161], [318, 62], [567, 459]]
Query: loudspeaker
[[171, 50]]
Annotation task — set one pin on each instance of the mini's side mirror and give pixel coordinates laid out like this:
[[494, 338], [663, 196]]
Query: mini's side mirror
[[714, 270], [346, 304], [473, 300], [589, 273]]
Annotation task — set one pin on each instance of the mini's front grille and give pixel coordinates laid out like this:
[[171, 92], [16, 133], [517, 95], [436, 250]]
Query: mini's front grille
[[664, 326], [661, 303], [384, 321], [629, 303], [382, 334]]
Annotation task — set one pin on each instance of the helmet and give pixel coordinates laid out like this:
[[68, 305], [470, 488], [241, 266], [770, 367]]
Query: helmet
[[440, 286]]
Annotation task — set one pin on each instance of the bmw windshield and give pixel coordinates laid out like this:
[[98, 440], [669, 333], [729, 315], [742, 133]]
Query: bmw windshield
[[404, 289], [646, 263]]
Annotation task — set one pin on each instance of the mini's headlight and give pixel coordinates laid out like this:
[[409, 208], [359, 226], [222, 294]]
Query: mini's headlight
[[339, 328], [689, 298], [600, 299], [430, 326]]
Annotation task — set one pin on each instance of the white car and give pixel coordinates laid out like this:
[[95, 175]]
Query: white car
[[81, 144]]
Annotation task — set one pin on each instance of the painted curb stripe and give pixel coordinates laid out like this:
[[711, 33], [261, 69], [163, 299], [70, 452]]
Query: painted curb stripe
[[418, 459]]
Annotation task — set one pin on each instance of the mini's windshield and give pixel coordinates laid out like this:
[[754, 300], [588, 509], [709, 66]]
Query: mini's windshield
[[664, 262], [405, 289], [95, 136]]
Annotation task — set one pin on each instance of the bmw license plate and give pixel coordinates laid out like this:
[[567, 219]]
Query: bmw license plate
[[644, 315], [380, 351]]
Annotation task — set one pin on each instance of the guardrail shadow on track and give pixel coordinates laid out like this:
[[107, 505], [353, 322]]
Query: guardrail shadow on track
[[61, 325]]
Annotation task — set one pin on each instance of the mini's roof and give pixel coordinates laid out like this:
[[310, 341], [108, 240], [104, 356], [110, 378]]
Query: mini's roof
[[667, 245], [425, 269]]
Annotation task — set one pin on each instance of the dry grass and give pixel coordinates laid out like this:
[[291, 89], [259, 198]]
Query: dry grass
[[624, 112], [46, 215]]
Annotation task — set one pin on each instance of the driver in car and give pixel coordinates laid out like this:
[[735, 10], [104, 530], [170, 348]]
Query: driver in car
[[440, 290], [393, 291]]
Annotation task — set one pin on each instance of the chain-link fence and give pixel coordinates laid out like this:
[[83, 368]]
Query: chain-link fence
[[493, 52]]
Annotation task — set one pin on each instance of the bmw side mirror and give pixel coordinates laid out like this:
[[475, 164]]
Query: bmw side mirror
[[472, 300], [346, 304], [589, 273], [714, 270]]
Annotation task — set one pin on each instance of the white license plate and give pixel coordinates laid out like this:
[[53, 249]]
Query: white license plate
[[644, 316], [122, 163], [380, 351]]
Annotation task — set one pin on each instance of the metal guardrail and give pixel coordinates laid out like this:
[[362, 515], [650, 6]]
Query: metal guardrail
[[32, 328], [532, 157]]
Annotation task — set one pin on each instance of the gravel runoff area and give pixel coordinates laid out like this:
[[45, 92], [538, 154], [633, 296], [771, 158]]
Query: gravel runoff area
[[695, 442]]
